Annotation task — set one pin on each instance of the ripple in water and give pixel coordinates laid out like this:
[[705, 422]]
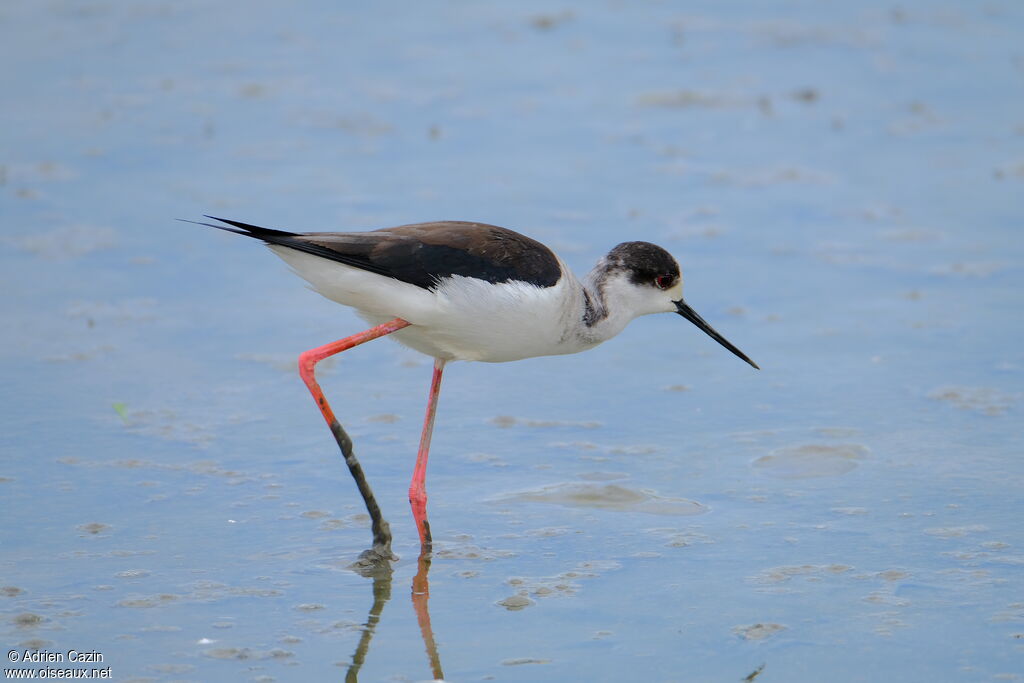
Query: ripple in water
[[609, 497], [812, 460]]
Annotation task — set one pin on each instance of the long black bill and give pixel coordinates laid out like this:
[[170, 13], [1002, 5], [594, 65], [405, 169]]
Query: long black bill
[[683, 309]]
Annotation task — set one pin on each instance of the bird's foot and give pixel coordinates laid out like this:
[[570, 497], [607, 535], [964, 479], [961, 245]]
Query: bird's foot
[[375, 561]]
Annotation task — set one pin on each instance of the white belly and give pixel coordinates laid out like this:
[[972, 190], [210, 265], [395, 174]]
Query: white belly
[[463, 318], [494, 323]]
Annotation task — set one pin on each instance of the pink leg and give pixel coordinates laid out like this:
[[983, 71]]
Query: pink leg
[[418, 487], [307, 360]]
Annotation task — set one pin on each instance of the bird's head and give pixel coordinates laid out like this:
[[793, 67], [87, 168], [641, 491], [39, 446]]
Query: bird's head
[[646, 279]]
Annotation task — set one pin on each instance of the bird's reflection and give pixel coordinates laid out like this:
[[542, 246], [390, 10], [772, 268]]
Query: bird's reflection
[[420, 598], [381, 595], [382, 576]]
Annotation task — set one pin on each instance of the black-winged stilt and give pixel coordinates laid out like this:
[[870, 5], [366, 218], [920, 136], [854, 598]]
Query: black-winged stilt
[[468, 291]]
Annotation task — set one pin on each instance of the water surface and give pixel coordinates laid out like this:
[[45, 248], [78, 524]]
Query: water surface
[[842, 184]]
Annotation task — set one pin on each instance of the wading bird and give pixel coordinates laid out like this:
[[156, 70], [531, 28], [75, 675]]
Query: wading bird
[[468, 291]]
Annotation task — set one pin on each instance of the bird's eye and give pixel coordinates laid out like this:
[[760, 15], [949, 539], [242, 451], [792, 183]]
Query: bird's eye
[[663, 281]]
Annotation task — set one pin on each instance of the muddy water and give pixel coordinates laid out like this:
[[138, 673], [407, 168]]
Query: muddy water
[[840, 183]]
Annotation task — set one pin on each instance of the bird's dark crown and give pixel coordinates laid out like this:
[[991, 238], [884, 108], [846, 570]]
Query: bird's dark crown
[[645, 262]]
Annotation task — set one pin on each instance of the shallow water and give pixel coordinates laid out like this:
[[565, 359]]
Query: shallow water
[[841, 183]]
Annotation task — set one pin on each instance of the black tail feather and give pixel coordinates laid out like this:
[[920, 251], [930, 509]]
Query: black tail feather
[[239, 228], [297, 241], [247, 229]]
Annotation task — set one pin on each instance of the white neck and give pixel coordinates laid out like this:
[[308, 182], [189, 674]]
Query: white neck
[[605, 305]]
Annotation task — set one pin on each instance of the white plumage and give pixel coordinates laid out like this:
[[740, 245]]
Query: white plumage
[[465, 318], [469, 291]]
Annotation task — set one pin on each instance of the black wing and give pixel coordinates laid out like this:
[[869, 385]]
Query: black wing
[[423, 253]]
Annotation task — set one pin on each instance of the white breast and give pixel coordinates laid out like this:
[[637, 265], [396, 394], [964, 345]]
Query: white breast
[[463, 318]]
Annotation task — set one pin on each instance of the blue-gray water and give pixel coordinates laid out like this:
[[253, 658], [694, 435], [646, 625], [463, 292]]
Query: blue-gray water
[[842, 183]]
